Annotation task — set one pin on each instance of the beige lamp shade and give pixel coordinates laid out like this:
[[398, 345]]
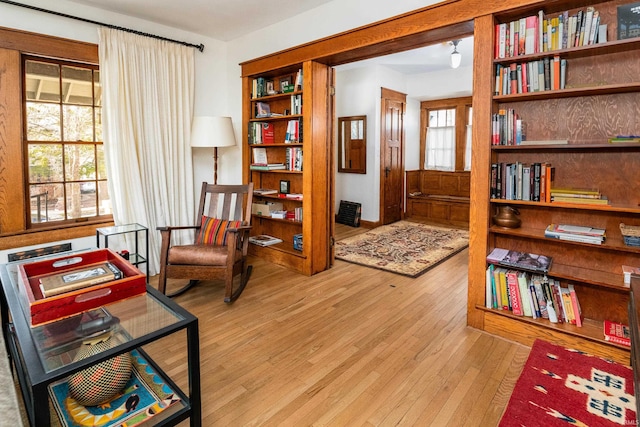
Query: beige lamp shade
[[212, 132]]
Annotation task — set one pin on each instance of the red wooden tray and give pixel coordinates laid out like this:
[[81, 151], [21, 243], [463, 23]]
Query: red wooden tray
[[39, 310]]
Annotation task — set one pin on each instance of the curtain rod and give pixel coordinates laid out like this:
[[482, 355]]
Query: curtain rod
[[200, 47]]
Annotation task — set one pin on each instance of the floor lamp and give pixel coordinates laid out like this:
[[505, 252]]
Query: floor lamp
[[212, 132]]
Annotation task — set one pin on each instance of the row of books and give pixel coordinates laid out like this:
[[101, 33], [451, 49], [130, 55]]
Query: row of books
[[533, 76], [506, 127], [294, 158], [294, 131], [296, 104], [540, 33], [261, 133], [264, 132], [531, 295], [575, 233], [521, 181], [262, 86]]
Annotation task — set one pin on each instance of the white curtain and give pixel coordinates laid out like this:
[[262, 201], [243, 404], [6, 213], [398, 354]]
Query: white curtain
[[441, 148], [147, 95]]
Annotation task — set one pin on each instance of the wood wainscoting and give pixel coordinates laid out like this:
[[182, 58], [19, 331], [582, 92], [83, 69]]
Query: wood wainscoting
[[437, 196]]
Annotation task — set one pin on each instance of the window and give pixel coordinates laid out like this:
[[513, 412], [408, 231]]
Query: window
[[65, 173], [441, 140], [446, 136]]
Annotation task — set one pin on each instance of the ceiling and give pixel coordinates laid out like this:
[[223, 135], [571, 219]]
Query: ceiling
[[219, 19], [229, 19], [428, 59]]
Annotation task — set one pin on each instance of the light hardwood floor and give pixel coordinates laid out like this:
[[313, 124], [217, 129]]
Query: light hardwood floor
[[352, 346]]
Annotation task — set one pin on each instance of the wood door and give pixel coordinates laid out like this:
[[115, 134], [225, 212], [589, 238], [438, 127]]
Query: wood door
[[391, 155]]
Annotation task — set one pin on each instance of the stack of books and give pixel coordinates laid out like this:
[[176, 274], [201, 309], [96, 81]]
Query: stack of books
[[575, 233], [586, 196], [267, 166], [624, 138]]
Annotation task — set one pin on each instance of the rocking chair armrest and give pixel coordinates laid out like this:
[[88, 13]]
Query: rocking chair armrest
[[241, 228], [180, 227]]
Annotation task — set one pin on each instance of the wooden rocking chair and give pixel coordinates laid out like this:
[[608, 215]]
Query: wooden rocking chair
[[221, 242]]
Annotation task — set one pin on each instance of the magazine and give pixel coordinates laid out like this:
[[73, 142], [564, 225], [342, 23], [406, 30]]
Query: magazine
[[523, 260], [264, 240]]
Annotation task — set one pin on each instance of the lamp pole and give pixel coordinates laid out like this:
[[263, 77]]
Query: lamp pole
[[215, 165]]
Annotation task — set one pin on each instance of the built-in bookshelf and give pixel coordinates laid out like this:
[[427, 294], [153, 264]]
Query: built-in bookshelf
[[285, 155], [570, 127]]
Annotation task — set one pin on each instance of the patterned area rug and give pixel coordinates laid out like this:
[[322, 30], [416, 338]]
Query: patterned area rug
[[564, 387], [403, 247]]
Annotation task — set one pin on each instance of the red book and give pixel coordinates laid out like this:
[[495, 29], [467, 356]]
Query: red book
[[617, 333], [268, 134], [514, 292], [575, 304]]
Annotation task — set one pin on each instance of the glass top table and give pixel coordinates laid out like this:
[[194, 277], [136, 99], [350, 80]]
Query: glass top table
[[46, 353]]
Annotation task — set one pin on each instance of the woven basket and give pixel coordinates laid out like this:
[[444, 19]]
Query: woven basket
[[102, 381]]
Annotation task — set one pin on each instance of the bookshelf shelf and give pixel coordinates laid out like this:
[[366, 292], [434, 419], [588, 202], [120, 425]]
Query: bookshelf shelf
[[613, 243], [616, 46], [600, 101], [286, 221], [275, 118], [278, 171], [282, 248], [591, 329], [633, 209], [573, 146], [571, 92], [276, 96]]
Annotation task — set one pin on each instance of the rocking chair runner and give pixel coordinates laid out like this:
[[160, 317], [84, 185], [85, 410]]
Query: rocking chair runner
[[221, 242]]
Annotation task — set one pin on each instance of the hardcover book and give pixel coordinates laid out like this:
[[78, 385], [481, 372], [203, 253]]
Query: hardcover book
[[262, 110], [72, 280], [629, 21], [617, 332]]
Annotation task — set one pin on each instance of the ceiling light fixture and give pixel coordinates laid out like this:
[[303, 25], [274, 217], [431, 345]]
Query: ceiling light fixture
[[456, 57]]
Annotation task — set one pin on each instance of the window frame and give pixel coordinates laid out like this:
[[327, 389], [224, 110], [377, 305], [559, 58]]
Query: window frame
[[461, 105], [13, 228], [63, 142]]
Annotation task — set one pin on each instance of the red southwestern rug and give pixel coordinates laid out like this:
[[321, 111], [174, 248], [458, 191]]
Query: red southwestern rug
[[564, 387]]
